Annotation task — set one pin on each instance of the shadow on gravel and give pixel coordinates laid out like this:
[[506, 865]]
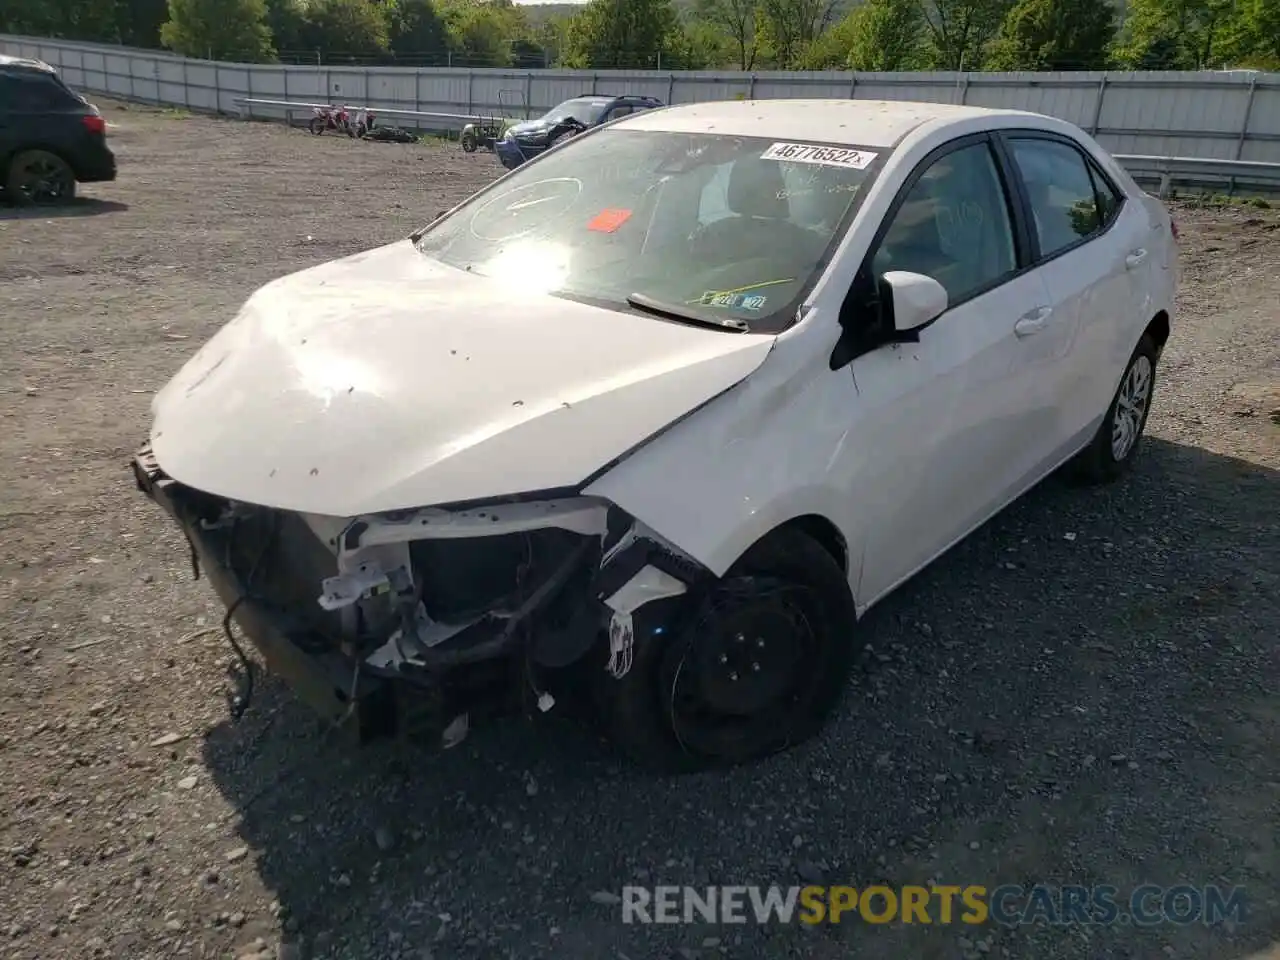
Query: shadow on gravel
[[79, 207], [1081, 692]]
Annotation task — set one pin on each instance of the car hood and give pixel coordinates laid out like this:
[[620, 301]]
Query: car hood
[[529, 128], [388, 380]]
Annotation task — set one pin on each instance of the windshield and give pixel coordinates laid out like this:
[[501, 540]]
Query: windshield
[[726, 228], [586, 110]]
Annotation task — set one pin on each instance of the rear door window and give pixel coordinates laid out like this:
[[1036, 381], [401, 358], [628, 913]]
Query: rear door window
[[1061, 189], [34, 93]]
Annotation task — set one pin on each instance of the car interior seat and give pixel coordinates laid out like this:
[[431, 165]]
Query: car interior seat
[[759, 215], [914, 241]]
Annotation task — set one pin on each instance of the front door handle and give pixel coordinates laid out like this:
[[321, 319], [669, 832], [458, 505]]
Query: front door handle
[[1135, 258], [1032, 322]]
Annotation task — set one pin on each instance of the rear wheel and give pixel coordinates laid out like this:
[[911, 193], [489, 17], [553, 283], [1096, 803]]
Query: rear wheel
[[1115, 446], [751, 666], [37, 177]]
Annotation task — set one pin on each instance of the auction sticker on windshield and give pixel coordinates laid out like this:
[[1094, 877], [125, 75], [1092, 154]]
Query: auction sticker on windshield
[[826, 156]]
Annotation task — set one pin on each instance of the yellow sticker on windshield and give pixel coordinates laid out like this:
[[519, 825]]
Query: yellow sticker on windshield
[[825, 156]]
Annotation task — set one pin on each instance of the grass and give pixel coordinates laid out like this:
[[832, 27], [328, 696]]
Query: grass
[[1219, 201]]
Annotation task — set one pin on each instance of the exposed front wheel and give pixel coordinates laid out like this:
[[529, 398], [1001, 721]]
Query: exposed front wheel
[[561, 137], [750, 666], [37, 177], [1115, 446], [469, 142], [316, 126]]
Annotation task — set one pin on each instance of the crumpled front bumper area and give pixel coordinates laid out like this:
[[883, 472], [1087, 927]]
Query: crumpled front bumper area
[[419, 623], [294, 648]]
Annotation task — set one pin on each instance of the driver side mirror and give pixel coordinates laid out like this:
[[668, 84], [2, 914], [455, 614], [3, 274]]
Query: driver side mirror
[[913, 299], [891, 308]]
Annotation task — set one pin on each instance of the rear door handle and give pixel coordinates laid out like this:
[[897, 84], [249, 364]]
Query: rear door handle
[[1135, 258], [1032, 322]]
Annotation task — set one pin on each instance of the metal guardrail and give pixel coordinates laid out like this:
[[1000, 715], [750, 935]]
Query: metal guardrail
[[248, 103], [1202, 171]]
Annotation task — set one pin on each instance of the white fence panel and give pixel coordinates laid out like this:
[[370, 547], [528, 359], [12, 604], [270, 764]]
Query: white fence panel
[[1220, 115]]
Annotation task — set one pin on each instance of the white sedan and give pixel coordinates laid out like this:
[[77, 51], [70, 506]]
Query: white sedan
[[659, 415]]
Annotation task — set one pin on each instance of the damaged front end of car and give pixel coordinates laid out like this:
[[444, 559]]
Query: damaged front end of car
[[421, 622]]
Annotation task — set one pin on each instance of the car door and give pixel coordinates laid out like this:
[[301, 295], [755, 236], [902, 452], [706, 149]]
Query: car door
[[36, 109], [948, 428], [1088, 244]]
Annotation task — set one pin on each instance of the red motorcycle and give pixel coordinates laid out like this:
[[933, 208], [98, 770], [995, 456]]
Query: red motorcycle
[[331, 118]]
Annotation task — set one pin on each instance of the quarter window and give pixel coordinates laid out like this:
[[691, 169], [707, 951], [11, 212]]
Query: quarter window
[[1108, 197], [29, 92], [954, 225], [1060, 187]]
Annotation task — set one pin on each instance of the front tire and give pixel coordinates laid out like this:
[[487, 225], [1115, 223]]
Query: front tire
[[39, 178], [1114, 447], [749, 666], [316, 126], [562, 136], [469, 143]]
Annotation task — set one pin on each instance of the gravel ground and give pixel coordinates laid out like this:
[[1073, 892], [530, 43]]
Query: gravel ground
[[1083, 691]]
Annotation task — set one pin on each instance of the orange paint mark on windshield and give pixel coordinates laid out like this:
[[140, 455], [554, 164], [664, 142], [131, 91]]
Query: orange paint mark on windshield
[[609, 220]]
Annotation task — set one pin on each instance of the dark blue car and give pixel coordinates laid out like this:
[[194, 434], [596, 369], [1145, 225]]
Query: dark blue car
[[526, 140]]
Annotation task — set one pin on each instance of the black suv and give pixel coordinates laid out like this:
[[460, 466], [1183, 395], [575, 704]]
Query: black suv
[[523, 141], [50, 138]]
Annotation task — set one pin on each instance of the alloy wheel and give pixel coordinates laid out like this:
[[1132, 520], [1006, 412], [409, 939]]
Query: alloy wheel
[[43, 178], [1131, 407]]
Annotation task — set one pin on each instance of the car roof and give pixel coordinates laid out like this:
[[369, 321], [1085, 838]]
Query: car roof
[[25, 63], [870, 123], [613, 98]]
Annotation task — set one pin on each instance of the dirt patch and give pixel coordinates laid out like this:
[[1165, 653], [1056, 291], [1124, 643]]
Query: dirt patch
[[978, 744]]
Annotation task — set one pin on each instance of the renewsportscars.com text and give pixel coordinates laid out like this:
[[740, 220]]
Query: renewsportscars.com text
[[973, 904]]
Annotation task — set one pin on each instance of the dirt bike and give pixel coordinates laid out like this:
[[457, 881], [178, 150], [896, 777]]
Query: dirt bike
[[365, 121], [330, 118]]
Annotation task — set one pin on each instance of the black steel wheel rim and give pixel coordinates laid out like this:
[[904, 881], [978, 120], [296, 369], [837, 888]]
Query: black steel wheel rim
[[43, 179], [743, 674]]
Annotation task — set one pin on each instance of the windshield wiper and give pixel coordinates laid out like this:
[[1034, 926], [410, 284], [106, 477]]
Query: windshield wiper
[[677, 312]]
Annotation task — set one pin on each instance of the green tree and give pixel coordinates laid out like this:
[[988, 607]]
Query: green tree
[[1177, 34], [788, 27], [708, 47], [736, 19], [219, 29], [618, 34], [69, 19], [880, 35], [138, 22], [552, 36], [489, 33], [1251, 38], [346, 27], [958, 32], [418, 29], [1055, 35], [480, 38], [288, 23]]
